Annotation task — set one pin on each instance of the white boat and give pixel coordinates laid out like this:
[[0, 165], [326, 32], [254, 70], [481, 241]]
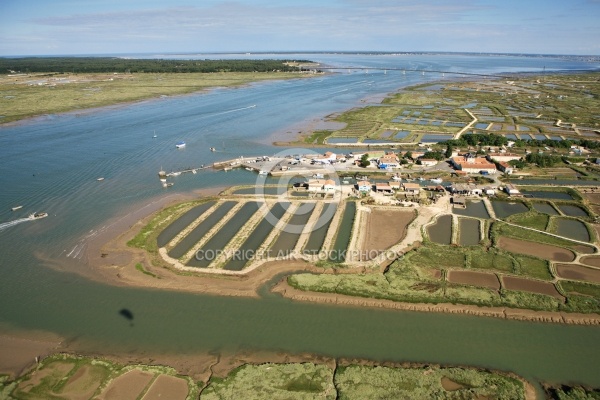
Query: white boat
[[213, 149], [318, 176], [100, 179], [16, 208], [176, 173], [396, 178], [194, 171], [261, 172], [437, 180], [155, 135], [227, 169], [38, 215], [249, 169], [180, 145]]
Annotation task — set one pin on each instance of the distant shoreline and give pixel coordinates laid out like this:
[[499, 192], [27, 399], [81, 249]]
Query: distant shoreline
[[89, 93]]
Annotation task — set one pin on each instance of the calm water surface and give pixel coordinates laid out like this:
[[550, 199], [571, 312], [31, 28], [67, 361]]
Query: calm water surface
[[51, 164]]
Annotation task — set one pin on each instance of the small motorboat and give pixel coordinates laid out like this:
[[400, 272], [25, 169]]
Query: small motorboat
[[213, 149], [38, 215], [180, 145], [16, 208], [100, 179]]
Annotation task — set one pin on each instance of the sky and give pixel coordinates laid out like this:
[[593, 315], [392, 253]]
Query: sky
[[74, 27]]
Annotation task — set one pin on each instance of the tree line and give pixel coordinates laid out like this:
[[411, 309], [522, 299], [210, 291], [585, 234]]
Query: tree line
[[122, 65], [495, 140]]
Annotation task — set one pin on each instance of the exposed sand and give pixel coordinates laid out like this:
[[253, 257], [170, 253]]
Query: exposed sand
[[385, 227], [18, 350]]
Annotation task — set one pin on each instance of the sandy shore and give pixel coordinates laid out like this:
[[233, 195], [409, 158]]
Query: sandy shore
[[19, 351]]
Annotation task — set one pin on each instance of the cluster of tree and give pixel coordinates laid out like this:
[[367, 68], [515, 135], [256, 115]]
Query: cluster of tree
[[498, 140], [478, 139], [112, 64], [364, 160], [543, 160], [436, 155]]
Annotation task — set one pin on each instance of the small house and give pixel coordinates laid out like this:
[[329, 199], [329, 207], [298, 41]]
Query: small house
[[505, 167], [394, 185], [329, 186], [382, 187], [428, 162], [364, 186], [511, 190], [412, 188]]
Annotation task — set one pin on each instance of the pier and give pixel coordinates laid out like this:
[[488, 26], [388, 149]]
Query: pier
[[274, 166]]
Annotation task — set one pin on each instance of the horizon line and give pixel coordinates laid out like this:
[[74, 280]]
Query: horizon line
[[364, 52]]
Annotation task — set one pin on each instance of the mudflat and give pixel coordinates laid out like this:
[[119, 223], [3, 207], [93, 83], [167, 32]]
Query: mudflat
[[544, 251]]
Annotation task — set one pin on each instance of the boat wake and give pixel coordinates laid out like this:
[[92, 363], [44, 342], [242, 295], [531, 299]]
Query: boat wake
[[7, 225], [79, 250], [234, 110]]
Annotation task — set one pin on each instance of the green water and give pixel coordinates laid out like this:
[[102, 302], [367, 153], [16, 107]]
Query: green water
[[218, 241], [469, 234], [505, 209], [199, 231], [182, 323], [572, 228], [181, 223], [545, 208], [474, 209], [344, 233], [247, 250], [287, 239], [572, 211], [317, 236], [441, 231]]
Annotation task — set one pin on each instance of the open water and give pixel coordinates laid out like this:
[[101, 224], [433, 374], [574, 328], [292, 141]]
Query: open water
[[51, 164]]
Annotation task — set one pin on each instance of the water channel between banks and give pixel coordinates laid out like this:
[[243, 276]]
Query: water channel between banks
[[117, 144]]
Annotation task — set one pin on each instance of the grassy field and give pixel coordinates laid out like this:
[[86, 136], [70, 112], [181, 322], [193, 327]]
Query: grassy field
[[274, 381], [523, 107], [70, 377], [64, 376], [420, 276], [365, 382], [34, 95]]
